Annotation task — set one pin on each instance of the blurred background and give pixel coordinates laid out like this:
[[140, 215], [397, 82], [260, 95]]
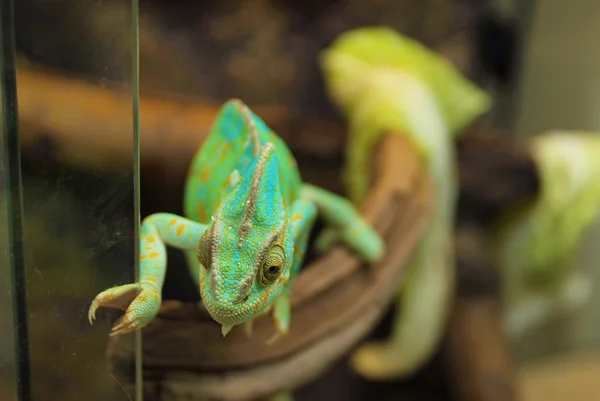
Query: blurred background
[[538, 59]]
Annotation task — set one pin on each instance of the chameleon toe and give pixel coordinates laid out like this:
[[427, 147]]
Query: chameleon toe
[[248, 328], [274, 338], [92, 311], [121, 327]]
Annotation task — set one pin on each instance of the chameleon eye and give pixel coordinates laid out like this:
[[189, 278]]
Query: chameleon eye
[[272, 265], [203, 250]]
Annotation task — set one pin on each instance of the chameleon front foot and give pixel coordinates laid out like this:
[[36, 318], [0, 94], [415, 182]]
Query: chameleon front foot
[[282, 316], [326, 239], [140, 303], [249, 328], [358, 235], [344, 224]]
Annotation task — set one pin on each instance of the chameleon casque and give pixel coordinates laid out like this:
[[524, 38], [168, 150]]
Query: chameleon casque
[[248, 217]]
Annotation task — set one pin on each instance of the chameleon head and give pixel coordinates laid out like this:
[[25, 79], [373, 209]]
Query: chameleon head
[[245, 253]]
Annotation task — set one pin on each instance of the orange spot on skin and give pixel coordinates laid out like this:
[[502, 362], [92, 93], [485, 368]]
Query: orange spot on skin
[[283, 235], [296, 217], [153, 255], [264, 297], [225, 149], [226, 183], [202, 287], [147, 248], [142, 298], [143, 257], [201, 211], [151, 279], [150, 239], [172, 221], [180, 230], [204, 175]]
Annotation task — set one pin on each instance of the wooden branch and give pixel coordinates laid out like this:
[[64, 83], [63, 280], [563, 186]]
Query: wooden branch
[[477, 349], [495, 175], [91, 125], [336, 300]]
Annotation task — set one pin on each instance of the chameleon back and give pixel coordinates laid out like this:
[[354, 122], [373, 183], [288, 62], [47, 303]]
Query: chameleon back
[[229, 147]]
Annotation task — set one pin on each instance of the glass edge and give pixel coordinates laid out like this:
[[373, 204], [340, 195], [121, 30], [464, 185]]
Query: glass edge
[[135, 39], [14, 204]]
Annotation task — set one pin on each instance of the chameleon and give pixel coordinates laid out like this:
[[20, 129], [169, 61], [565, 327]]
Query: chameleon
[[536, 245], [384, 82], [247, 219]]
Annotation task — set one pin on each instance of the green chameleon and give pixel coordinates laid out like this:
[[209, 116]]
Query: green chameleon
[[537, 245], [248, 217], [384, 82]]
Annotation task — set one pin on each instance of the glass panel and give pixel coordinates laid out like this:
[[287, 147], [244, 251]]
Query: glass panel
[[8, 368], [13, 361], [8, 384], [74, 87]]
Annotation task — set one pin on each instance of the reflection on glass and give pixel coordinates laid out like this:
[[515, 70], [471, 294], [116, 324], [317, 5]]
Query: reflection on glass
[[14, 350], [78, 201], [8, 383]]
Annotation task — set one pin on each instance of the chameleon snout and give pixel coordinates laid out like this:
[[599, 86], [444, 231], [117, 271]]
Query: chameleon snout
[[228, 312]]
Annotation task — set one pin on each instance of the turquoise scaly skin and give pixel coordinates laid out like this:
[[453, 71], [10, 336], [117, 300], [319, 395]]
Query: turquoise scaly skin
[[247, 220]]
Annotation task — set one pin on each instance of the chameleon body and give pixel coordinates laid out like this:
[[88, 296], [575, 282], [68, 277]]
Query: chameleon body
[[248, 216], [385, 82], [537, 248]]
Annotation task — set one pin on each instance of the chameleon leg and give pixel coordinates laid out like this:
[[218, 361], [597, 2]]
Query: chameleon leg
[[327, 238], [282, 314], [141, 300], [345, 223], [302, 218]]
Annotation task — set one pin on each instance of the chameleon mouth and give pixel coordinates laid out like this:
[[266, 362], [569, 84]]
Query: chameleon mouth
[[225, 316]]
